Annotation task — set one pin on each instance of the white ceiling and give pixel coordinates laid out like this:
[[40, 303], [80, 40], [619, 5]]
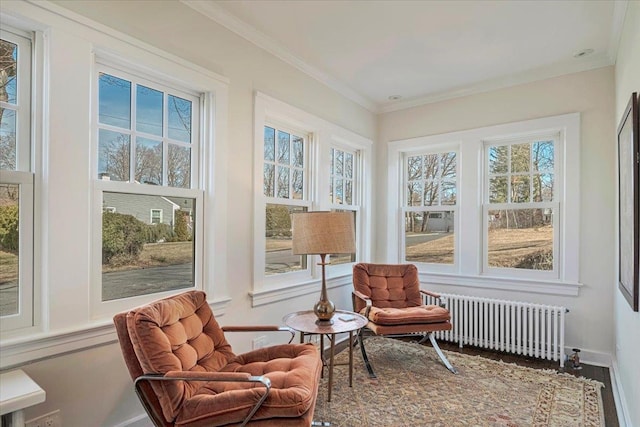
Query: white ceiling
[[425, 51]]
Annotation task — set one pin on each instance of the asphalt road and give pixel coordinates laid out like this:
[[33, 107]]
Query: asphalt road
[[122, 284]]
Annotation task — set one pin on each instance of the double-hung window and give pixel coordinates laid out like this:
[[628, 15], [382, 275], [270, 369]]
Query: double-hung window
[[521, 208], [285, 190], [148, 185], [16, 181], [343, 191], [493, 207]]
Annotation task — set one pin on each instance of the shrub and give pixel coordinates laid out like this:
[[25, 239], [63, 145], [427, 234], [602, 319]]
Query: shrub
[[9, 228], [539, 260], [155, 233], [181, 229], [122, 236]]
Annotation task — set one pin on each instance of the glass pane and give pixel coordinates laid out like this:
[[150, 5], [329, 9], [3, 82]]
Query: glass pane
[[498, 159], [448, 165], [520, 191], [7, 139], [431, 168], [414, 194], [139, 257], [278, 255], [543, 187], [431, 190], [543, 156], [297, 184], [521, 238], [9, 249], [149, 110], [520, 157], [348, 192], [283, 148], [335, 259], [148, 161], [283, 182], [348, 165], [498, 189], [339, 189], [180, 118], [429, 237], [414, 168], [269, 144], [269, 180], [449, 193], [114, 99], [179, 166], [114, 155], [298, 151], [8, 69], [339, 163]]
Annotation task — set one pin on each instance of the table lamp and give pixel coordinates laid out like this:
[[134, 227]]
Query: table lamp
[[322, 233]]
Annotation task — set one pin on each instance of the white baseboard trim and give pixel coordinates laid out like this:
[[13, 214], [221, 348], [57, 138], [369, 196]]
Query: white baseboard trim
[[624, 418], [141, 420]]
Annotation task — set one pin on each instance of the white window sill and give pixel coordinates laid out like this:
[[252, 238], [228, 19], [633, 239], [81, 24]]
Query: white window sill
[[281, 293], [503, 283], [20, 350]]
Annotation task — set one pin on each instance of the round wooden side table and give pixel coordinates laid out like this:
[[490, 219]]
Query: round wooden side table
[[343, 322]]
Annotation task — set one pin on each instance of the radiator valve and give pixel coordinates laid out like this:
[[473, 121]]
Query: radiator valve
[[575, 359]]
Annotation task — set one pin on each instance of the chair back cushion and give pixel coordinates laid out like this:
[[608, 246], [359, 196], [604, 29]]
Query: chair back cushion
[[178, 333], [388, 285], [148, 396]]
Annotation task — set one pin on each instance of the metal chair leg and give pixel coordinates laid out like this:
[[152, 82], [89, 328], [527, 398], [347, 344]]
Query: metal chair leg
[[441, 354], [365, 358]]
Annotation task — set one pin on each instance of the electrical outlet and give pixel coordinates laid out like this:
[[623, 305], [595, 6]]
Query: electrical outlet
[[259, 342], [52, 419]]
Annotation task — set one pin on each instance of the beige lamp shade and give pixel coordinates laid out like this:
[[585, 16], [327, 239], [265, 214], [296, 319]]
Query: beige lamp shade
[[323, 233]]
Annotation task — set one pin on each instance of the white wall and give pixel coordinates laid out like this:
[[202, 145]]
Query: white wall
[[627, 322], [590, 322], [92, 387]]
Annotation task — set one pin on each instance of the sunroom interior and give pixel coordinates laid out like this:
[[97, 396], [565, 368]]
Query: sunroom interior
[[210, 122]]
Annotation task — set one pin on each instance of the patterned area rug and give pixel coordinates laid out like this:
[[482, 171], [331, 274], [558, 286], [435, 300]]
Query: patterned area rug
[[414, 389]]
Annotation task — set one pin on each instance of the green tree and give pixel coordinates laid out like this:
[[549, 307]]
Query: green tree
[[9, 228]]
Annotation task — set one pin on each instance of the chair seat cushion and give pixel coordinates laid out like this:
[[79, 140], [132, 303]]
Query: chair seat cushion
[[293, 370], [409, 315]]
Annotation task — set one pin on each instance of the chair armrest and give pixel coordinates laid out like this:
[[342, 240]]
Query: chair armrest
[[265, 328], [357, 294], [441, 300], [209, 376]]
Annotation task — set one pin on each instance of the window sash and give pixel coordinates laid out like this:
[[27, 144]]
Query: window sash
[[167, 90], [24, 317]]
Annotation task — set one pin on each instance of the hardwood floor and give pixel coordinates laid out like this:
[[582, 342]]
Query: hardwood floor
[[597, 373]]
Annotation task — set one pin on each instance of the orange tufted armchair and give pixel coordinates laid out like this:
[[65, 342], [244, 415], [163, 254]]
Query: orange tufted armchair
[[186, 374], [389, 295]]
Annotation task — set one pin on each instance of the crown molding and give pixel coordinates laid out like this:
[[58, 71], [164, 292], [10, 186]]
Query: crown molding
[[501, 83], [619, 13], [218, 14]]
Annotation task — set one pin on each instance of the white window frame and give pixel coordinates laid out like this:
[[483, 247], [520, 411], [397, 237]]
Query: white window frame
[[356, 203], [471, 241], [24, 175], [322, 136], [436, 149], [202, 174]]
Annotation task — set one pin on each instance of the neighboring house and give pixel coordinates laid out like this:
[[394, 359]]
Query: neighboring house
[[146, 208]]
